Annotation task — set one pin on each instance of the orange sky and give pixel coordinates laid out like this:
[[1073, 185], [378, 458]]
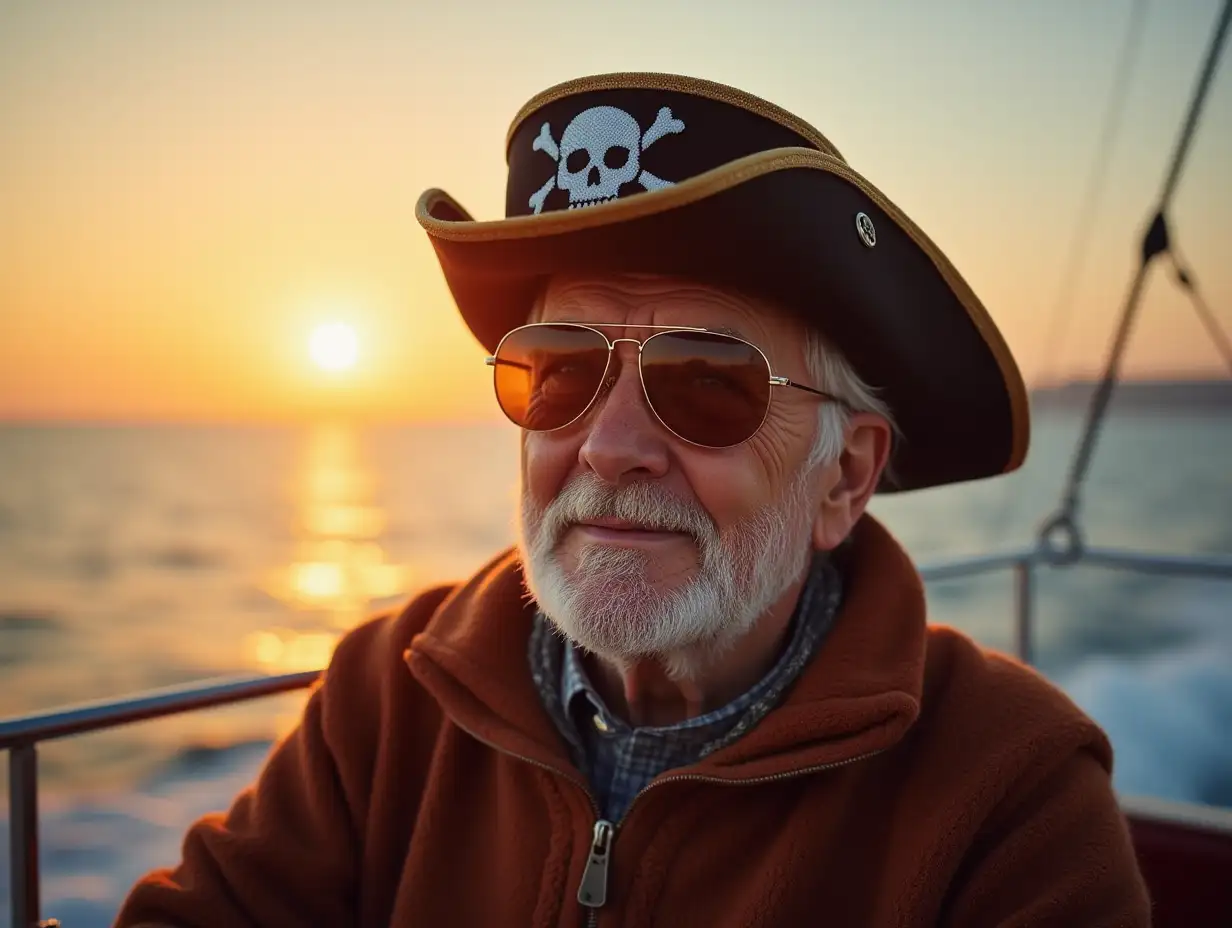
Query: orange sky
[[186, 190]]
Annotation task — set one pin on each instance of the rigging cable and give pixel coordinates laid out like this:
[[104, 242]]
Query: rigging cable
[[1095, 185], [1063, 527], [1185, 278], [1083, 229]]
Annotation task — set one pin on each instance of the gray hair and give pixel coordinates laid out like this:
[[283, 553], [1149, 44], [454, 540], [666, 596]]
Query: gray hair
[[834, 374]]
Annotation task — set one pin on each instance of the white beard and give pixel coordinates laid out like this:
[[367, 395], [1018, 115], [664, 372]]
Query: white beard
[[611, 607]]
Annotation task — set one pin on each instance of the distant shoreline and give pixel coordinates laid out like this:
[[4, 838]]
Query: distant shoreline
[[1141, 396]]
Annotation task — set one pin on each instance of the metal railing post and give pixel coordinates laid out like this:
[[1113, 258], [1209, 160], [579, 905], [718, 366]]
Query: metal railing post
[[1024, 607], [23, 834]]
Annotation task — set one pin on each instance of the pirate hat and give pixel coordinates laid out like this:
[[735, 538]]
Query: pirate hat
[[664, 174]]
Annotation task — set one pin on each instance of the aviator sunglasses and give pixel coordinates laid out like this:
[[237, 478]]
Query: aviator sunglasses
[[707, 388]]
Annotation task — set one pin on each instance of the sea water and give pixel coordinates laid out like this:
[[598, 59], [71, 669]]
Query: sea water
[[140, 557]]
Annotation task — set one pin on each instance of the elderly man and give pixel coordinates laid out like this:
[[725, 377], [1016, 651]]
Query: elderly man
[[702, 689]]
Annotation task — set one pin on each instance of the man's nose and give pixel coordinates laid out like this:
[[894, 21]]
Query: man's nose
[[623, 438]]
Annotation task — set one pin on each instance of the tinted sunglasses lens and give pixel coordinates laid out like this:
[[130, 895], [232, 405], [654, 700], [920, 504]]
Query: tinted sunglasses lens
[[709, 389], [547, 375]]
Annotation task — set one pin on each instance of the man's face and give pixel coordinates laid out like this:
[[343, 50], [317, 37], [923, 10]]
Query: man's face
[[637, 543]]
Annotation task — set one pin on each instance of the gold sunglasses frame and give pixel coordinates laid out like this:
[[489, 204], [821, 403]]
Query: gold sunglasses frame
[[775, 380]]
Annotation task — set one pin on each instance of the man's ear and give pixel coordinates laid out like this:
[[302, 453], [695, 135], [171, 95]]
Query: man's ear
[[851, 480]]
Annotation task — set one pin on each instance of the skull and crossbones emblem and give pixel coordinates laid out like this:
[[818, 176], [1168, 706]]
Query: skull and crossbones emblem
[[600, 151]]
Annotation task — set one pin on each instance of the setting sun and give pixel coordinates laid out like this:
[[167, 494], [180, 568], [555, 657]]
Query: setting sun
[[334, 347]]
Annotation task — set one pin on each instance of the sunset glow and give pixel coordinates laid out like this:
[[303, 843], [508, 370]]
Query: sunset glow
[[334, 347], [185, 242]]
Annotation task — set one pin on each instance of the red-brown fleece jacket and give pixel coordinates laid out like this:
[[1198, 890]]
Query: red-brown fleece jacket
[[907, 779]]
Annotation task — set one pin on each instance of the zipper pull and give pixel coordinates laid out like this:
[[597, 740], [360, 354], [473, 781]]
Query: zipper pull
[[593, 891]]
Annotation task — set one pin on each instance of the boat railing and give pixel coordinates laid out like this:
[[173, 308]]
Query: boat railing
[[21, 736]]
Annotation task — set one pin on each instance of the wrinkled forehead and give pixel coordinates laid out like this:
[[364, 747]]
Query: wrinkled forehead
[[653, 299]]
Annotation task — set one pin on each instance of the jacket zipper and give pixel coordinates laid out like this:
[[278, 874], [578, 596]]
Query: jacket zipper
[[594, 876], [592, 891]]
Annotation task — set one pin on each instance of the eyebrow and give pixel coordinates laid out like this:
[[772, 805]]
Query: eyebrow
[[579, 318]]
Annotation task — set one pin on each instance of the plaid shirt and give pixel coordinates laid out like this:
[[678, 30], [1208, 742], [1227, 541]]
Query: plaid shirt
[[619, 760]]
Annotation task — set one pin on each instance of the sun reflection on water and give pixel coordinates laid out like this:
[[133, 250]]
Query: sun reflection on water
[[339, 569]]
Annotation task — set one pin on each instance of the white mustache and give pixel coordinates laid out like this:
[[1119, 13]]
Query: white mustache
[[586, 497]]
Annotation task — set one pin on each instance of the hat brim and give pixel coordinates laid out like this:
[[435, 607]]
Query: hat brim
[[780, 225]]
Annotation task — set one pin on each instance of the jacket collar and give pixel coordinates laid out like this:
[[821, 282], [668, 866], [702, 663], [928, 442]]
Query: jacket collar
[[859, 695]]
